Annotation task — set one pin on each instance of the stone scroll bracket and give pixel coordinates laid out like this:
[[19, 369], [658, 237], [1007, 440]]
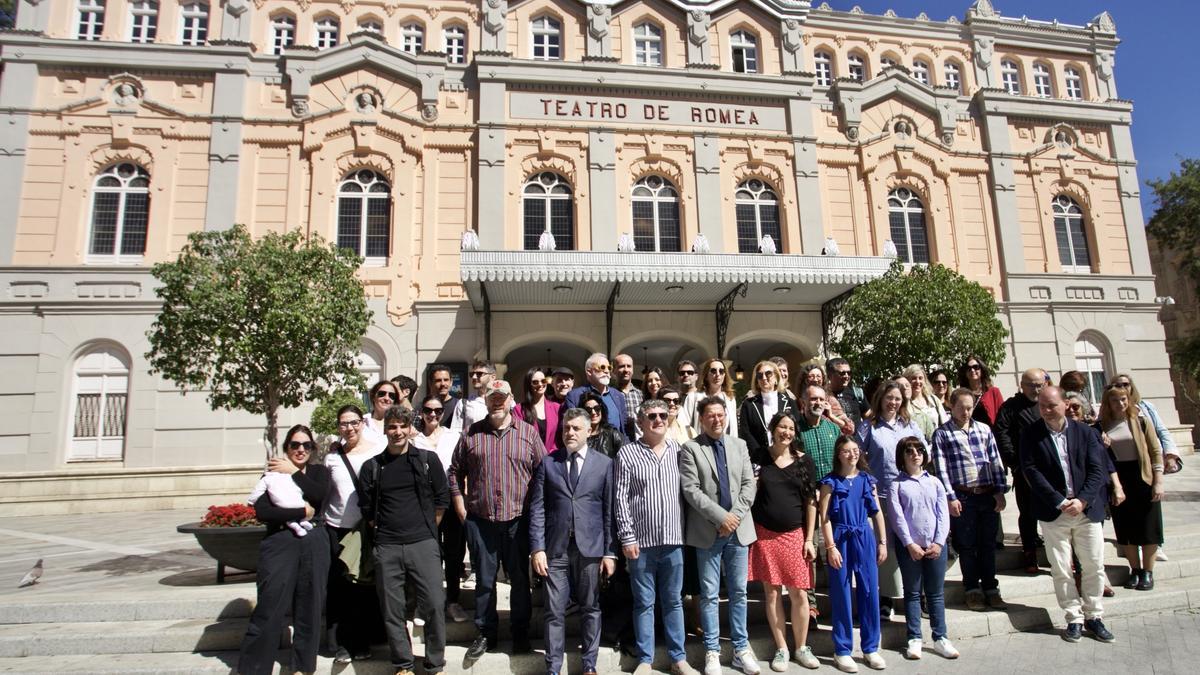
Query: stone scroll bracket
[[852, 97]]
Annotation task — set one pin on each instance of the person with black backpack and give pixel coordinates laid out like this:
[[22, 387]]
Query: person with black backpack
[[404, 495]]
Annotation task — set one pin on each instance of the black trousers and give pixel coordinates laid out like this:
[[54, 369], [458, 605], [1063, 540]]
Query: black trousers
[[352, 614], [418, 564], [292, 572], [1027, 523], [454, 547]]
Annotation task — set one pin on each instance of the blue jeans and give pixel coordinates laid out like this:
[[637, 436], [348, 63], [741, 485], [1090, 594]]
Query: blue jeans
[[928, 574], [658, 572], [727, 555], [974, 537]]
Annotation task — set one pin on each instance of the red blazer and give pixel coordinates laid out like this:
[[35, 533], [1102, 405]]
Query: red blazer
[[550, 440]]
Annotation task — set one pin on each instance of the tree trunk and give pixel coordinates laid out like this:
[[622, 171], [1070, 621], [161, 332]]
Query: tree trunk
[[272, 423]]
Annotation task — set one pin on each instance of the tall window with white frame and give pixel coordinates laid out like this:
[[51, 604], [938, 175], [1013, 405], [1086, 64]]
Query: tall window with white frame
[[647, 44], [99, 409], [412, 37], [743, 46], [327, 30], [655, 215], [193, 23], [283, 32], [920, 72], [953, 76], [364, 216], [823, 64], [1042, 86], [1074, 83], [120, 215], [906, 218], [1071, 236], [1010, 77], [547, 39], [89, 20], [454, 43], [1093, 363], [857, 67], [756, 209], [143, 21], [547, 205]]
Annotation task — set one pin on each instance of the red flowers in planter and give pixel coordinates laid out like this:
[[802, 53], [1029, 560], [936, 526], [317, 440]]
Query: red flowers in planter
[[230, 515]]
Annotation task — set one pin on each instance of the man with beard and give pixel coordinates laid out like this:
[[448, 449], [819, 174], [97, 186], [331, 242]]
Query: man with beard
[[440, 381], [493, 467], [633, 396], [598, 373]]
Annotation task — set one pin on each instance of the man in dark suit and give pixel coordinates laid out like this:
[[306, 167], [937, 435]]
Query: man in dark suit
[[570, 536], [1065, 466], [598, 371]]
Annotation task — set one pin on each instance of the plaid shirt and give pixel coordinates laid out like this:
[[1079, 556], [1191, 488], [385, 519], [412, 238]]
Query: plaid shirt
[[967, 458], [818, 443], [633, 398]]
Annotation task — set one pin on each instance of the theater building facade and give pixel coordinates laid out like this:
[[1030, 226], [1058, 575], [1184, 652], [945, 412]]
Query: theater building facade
[[669, 178]]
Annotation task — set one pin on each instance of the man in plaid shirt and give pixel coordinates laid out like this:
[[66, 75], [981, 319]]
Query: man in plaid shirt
[[969, 465], [623, 369]]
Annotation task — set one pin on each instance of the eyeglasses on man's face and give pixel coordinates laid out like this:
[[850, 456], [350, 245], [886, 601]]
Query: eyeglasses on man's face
[[478, 373], [687, 373], [653, 416]]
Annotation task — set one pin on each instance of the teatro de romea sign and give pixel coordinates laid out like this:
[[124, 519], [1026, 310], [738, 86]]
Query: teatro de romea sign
[[620, 110]]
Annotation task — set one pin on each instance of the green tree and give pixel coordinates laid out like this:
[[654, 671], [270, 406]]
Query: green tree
[[929, 315], [324, 417], [259, 324], [1176, 227]]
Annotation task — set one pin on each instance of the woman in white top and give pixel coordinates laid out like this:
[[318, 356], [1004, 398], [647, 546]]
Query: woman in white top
[[442, 441], [923, 403], [352, 612], [716, 382], [384, 394]]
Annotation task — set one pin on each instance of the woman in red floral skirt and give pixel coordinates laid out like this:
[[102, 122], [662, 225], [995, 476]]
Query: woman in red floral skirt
[[785, 513]]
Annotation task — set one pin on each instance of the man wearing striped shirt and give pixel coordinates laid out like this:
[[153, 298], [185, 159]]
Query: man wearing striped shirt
[[648, 505], [493, 467], [969, 465]]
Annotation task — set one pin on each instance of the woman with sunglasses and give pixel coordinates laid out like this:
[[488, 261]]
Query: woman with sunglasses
[[716, 383], [604, 437], [974, 374], [766, 399], [352, 617], [676, 430], [923, 403], [292, 570], [939, 387], [537, 408], [383, 394], [1172, 462]]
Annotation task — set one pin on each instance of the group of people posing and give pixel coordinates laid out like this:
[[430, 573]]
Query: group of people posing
[[621, 499]]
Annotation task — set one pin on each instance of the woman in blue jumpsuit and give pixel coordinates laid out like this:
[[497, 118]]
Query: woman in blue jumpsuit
[[848, 504]]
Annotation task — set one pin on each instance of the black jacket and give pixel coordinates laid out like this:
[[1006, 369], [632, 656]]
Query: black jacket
[[752, 425], [433, 491], [1088, 467], [607, 441], [313, 483], [1016, 415]]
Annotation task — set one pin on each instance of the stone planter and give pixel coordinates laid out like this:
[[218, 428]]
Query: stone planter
[[235, 547]]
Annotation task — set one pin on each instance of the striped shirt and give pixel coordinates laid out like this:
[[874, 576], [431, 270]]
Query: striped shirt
[[648, 500], [494, 469], [967, 458]]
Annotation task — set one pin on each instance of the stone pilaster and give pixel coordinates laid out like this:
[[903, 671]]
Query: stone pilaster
[[602, 164], [708, 190]]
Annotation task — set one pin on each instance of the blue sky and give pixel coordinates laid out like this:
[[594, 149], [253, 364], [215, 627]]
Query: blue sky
[[1153, 65]]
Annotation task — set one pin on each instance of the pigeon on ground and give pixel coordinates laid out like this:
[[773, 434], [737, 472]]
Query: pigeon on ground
[[31, 577]]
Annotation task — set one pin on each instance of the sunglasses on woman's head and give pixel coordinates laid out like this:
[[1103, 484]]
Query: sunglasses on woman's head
[[296, 445]]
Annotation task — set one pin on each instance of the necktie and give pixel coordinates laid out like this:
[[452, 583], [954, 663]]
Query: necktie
[[573, 471], [723, 496]]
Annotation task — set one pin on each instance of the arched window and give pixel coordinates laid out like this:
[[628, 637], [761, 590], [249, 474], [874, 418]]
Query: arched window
[[548, 206], [89, 20], [823, 64], [193, 23], [120, 214], [454, 43], [647, 44], [364, 217], [757, 210], [1010, 77], [99, 419], [1072, 240], [857, 67], [283, 32], [920, 71], [906, 216], [655, 215], [744, 47], [371, 363], [953, 75], [1042, 86], [1091, 360], [887, 61], [143, 21], [547, 39], [1074, 83], [327, 29], [370, 26], [412, 37]]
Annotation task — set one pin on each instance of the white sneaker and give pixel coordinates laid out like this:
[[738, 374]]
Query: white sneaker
[[418, 621], [1161, 555], [804, 657], [712, 663], [945, 649], [875, 661], [845, 664], [746, 662], [914, 649], [456, 612]]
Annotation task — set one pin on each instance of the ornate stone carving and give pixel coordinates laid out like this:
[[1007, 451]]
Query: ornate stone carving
[[699, 50], [364, 102], [1104, 23], [126, 94], [1104, 65], [236, 8], [300, 107], [429, 112], [792, 42], [982, 9], [494, 12], [347, 5], [304, 4], [376, 161], [947, 137], [984, 49], [598, 41]]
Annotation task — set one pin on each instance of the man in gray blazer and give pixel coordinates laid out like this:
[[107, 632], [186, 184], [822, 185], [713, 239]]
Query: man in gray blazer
[[718, 488]]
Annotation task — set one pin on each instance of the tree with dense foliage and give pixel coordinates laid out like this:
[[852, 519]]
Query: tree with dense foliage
[[259, 324], [1176, 227], [929, 315], [324, 417]]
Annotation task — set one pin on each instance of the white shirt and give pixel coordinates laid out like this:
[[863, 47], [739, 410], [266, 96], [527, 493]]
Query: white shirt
[[446, 443], [770, 400], [341, 504], [1060, 444]]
